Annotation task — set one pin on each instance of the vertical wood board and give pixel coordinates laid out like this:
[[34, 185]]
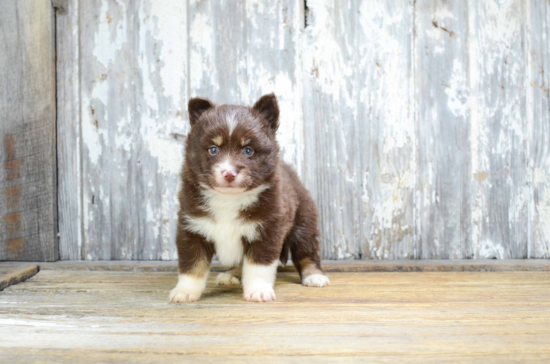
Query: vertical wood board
[[28, 221], [69, 138], [442, 196], [498, 142], [386, 119], [330, 108], [538, 21]]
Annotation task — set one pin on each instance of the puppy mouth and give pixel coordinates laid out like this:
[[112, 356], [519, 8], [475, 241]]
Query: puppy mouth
[[230, 190], [226, 187]]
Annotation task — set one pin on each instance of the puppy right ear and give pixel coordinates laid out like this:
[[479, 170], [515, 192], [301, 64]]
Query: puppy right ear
[[197, 107]]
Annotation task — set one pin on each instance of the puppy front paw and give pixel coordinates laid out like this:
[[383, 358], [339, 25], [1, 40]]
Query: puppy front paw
[[316, 280], [181, 295], [227, 279], [188, 289], [259, 293]]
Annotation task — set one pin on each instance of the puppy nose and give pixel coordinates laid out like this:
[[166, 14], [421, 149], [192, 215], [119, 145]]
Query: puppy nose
[[229, 175]]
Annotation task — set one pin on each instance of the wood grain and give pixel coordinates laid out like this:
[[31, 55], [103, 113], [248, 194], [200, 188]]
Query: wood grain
[[28, 203], [387, 317]]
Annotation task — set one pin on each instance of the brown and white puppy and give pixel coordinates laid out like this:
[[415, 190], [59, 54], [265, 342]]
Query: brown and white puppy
[[240, 201]]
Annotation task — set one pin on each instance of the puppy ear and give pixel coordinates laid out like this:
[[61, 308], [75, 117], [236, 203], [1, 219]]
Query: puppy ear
[[197, 106], [268, 109]]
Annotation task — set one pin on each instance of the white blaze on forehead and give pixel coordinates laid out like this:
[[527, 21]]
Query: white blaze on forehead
[[218, 140], [225, 166], [231, 121]]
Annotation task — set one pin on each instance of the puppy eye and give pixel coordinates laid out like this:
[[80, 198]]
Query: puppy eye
[[213, 150], [248, 151]]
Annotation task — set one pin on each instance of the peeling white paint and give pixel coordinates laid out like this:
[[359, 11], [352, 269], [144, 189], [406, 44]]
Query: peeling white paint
[[105, 35], [200, 58], [458, 99]]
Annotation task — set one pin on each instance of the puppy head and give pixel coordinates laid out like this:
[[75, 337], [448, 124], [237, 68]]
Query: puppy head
[[230, 148]]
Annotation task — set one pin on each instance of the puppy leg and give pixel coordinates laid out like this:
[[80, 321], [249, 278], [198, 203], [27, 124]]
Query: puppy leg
[[195, 256], [311, 273], [231, 277], [305, 248], [258, 280]]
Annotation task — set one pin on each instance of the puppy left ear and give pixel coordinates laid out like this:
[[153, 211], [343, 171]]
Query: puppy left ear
[[197, 107], [268, 109]]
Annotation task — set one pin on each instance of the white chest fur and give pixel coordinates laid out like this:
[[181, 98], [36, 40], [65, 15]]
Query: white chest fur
[[223, 226]]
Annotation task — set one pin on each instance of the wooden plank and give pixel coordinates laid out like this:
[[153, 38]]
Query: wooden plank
[[17, 275], [133, 67], [332, 159], [28, 226], [386, 316], [498, 142], [386, 135], [442, 196], [432, 265], [88, 356], [69, 177], [539, 126]]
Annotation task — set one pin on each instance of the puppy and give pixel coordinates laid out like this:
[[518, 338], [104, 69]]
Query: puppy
[[240, 201]]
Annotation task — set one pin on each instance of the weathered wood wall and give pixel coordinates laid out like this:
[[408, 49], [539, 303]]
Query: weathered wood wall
[[422, 128], [28, 211]]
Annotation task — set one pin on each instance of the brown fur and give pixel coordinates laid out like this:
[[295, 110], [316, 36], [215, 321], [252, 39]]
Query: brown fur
[[286, 213]]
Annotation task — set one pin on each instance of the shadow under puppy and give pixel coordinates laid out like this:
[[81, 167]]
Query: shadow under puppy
[[240, 201]]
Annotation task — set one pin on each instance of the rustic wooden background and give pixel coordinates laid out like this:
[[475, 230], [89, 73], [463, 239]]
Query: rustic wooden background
[[421, 128]]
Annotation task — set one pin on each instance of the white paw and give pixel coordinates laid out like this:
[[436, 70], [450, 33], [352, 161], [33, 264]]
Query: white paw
[[188, 289], [227, 279], [259, 293], [316, 280], [182, 295]]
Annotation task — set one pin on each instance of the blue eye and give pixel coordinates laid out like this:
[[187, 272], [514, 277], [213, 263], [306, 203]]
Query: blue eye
[[213, 150], [248, 151]]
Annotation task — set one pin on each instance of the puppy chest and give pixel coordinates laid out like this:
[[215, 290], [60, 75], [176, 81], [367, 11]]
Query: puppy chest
[[226, 235]]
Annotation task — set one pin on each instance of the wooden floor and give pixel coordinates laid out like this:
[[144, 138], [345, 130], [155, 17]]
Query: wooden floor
[[418, 317]]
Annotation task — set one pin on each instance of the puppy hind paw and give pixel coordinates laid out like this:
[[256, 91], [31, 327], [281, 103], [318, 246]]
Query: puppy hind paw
[[227, 279], [316, 280]]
